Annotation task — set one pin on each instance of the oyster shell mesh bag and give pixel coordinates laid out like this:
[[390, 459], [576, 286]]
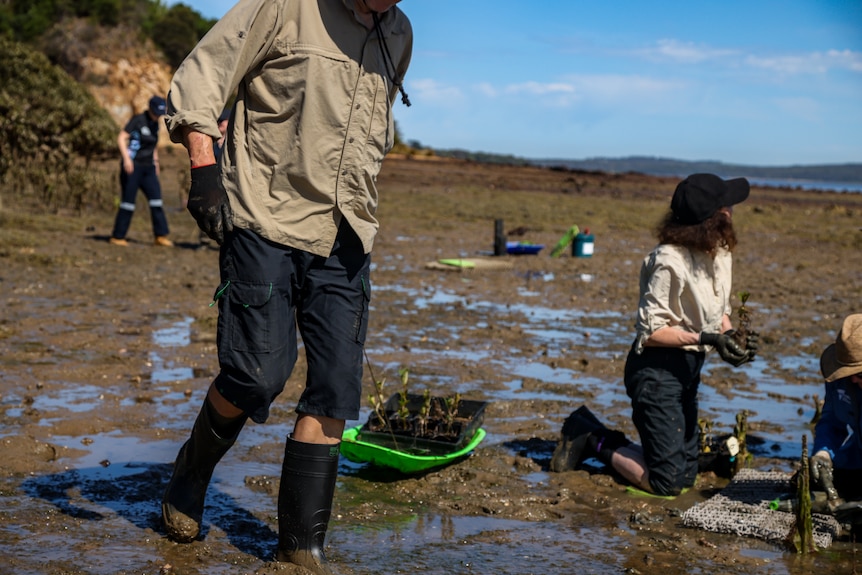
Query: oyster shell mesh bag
[[742, 508]]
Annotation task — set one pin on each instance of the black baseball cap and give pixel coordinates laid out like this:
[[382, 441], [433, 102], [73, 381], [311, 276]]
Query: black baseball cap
[[699, 196]]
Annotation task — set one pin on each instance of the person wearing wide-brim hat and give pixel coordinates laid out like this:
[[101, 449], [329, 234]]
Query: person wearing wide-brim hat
[[683, 312], [837, 445]]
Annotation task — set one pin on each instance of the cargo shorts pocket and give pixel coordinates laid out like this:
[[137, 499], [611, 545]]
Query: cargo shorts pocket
[[360, 324], [250, 316]]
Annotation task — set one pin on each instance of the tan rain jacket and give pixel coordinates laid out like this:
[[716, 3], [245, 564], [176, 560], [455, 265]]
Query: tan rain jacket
[[313, 116]]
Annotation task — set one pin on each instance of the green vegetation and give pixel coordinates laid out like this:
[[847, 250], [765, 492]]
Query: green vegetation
[[175, 29], [51, 129], [482, 157], [842, 173]]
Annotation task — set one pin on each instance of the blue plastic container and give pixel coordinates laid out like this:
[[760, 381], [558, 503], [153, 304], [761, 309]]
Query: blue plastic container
[[584, 244]]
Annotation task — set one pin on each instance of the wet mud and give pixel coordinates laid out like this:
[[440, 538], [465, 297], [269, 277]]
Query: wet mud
[[107, 353]]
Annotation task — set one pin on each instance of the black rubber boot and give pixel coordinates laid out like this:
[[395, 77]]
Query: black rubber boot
[[183, 503], [305, 503], [573, 441]]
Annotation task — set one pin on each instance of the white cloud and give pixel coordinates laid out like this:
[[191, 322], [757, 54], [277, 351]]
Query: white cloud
[[597, 89], [813, 63], [790, 64], [486, 89], [684, 52], [430, 90], [540, 89]]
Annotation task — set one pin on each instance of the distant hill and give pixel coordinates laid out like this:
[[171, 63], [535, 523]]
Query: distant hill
[[841, 173]]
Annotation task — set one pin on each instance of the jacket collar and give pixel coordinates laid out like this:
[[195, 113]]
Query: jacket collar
[[390, 23]]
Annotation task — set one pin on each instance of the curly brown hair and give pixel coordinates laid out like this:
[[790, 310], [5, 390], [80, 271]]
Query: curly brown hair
[[717, 231]]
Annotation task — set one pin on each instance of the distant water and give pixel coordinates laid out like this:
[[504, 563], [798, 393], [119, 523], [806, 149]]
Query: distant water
[[808, 184]]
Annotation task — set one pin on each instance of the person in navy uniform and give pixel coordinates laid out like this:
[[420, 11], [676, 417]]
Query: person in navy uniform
[[139, 170]]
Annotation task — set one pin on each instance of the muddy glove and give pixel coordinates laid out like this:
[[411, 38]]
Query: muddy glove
[[208, 203], [820, 470], [727, 348], [752, 341]]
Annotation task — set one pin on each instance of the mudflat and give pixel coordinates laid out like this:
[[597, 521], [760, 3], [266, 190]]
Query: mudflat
[[107, 352]]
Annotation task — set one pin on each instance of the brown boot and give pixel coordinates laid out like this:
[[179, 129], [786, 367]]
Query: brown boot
[[305, 495], [183, 503], [162, 241]]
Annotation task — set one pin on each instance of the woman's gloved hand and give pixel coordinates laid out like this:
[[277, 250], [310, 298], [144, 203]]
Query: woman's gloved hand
[[727, 347], [208, 203], [752, 340]]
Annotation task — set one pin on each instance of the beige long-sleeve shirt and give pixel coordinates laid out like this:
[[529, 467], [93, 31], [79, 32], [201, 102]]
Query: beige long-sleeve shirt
[[684, 289], [313, 116]]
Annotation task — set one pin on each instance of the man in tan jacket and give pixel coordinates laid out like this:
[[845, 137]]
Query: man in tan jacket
[[292, 204]]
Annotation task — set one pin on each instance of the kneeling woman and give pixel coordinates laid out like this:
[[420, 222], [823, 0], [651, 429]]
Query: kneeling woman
[[684, 311]]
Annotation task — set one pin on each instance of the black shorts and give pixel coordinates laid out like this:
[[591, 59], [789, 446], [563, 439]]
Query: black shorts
[[267, 291]]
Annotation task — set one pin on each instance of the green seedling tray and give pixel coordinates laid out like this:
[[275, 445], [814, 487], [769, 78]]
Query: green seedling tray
[[359, 451], [470, 416]]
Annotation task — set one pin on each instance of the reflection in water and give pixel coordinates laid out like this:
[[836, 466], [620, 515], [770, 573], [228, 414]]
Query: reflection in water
[[440, 546], [177, 334]]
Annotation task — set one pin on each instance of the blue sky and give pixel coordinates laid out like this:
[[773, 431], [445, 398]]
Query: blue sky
[[758, 82]]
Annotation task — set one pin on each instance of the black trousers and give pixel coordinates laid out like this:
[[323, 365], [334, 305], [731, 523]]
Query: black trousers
[[662, 384]]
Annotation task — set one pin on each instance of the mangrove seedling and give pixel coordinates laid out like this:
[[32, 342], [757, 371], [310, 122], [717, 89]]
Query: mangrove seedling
[[403, 411], [739, 431], [801, 537], [743, 314], [377, 403], [424, 412], [452, 404], [704, 433]]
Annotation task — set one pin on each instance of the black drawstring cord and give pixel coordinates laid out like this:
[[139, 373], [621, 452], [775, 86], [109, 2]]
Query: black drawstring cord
[[387, 60]]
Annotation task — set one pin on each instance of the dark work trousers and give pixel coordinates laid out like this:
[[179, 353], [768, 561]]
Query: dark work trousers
[[142, 178], [662, 384]]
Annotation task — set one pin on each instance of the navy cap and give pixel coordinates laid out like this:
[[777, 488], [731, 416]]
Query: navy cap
[[157, 106]]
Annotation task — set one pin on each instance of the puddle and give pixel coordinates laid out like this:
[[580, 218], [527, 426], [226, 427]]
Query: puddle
[[177, 334], [76, 399], [444, 545], [165, 371]]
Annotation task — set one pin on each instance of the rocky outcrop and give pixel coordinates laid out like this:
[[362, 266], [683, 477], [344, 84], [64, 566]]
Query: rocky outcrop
[[124, 86], [121, 69]]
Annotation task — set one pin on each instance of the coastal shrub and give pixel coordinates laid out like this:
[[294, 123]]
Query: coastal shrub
[[51, 130], [174, 29]]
